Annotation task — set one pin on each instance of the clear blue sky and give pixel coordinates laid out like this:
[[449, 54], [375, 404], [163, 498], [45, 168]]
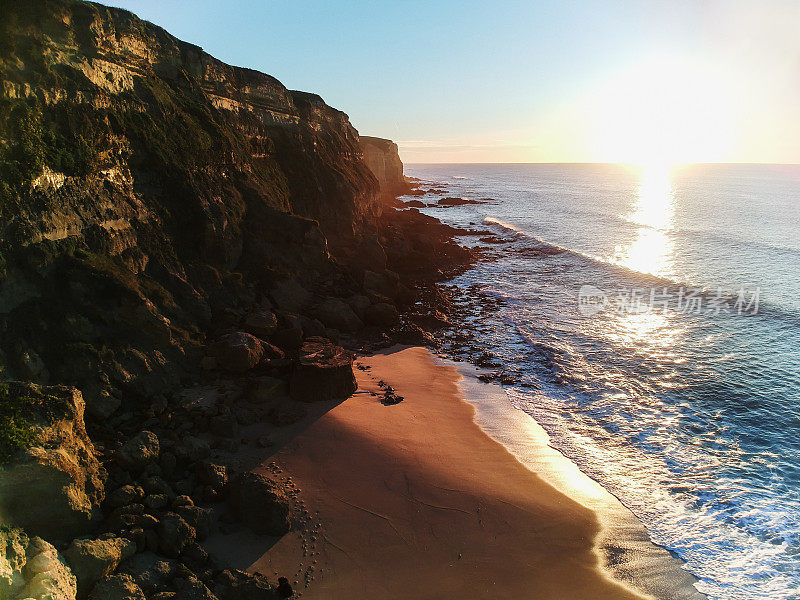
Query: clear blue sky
[[517, 81]]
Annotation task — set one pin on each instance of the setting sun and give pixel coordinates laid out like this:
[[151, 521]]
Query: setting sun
[[662, 111]]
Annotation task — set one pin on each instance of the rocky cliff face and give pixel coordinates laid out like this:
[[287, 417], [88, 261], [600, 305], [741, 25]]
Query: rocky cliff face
[[147, 190], [51, 483], [383, 160], [184, 244]]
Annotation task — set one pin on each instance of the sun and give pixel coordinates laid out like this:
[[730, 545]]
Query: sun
[[662, 111]]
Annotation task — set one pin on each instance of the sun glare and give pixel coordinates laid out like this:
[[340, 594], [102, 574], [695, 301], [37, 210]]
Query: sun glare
[[652, 210], [664, 111]]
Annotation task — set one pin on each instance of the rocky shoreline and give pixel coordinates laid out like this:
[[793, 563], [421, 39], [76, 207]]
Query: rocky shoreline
[[158, 300]]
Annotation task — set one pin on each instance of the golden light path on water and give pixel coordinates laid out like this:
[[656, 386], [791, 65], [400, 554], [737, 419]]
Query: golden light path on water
[[650, 251], [653, 210]]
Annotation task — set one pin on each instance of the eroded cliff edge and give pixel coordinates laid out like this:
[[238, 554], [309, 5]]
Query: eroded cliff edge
[[383, 159], [185, 247], [145, 184]]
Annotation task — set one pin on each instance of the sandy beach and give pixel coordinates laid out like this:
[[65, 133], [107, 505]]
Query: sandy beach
[[415, 500]]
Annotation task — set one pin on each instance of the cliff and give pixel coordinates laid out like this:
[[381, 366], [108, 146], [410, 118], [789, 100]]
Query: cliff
[[383, 159], [146, 189], [185, 248]]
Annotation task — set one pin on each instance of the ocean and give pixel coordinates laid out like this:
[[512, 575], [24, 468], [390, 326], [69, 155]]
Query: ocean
[[649, 321]]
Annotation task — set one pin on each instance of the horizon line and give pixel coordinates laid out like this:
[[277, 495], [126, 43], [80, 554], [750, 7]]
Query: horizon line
[[777, 164]]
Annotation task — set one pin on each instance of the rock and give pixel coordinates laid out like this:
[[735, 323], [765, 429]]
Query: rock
[[202, 519], [359, 304], [209, 473], [13, 543], [288, 339], [323, 372], [201, 400], [416, 204], [237, 352], [336, 313], [285, 413], [384, 283], [155, 485], [414, 335], [232, 584], [45, 576], [122, 496], [260, 503], [461, 201], [266, 389], [431, 320], [191, 449], [124, 517], [284, 590], [174, 535], [290, 295], [119, 586], [156, 502], [382, 158], [195, 589], [149, 570], [51, 483], [92, 559], [208, 363], [382, 314], [261, 323], [271, 352], [102, 404], [138, 451]]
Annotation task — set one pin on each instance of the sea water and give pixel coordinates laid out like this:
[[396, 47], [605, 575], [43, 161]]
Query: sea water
[[650, 319]]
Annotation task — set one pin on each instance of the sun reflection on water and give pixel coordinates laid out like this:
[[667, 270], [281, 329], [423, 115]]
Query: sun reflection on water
[[653, 210]]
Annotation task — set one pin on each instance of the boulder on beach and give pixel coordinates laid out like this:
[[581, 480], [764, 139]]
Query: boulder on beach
[[336, 313], [119, 586], [138, 451], [260, 503], [237, 352], [261, 323], [382, 314], [232, 584], [174, 535], [324, 371], [91, 559], [384, 283]]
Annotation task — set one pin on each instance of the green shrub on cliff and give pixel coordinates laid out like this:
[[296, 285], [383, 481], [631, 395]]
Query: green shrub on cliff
[[21, 409]]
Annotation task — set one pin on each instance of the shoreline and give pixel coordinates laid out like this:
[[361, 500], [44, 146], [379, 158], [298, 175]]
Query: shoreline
[[623, 544], [417, 500]]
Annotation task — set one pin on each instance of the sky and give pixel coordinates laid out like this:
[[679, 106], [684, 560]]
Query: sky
[[568, 81]]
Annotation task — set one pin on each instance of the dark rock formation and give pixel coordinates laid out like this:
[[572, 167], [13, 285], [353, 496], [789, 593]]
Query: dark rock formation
[[383, 160], [147, 188], [188, 243], [324, 371], [260, 503], [450, 201]]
